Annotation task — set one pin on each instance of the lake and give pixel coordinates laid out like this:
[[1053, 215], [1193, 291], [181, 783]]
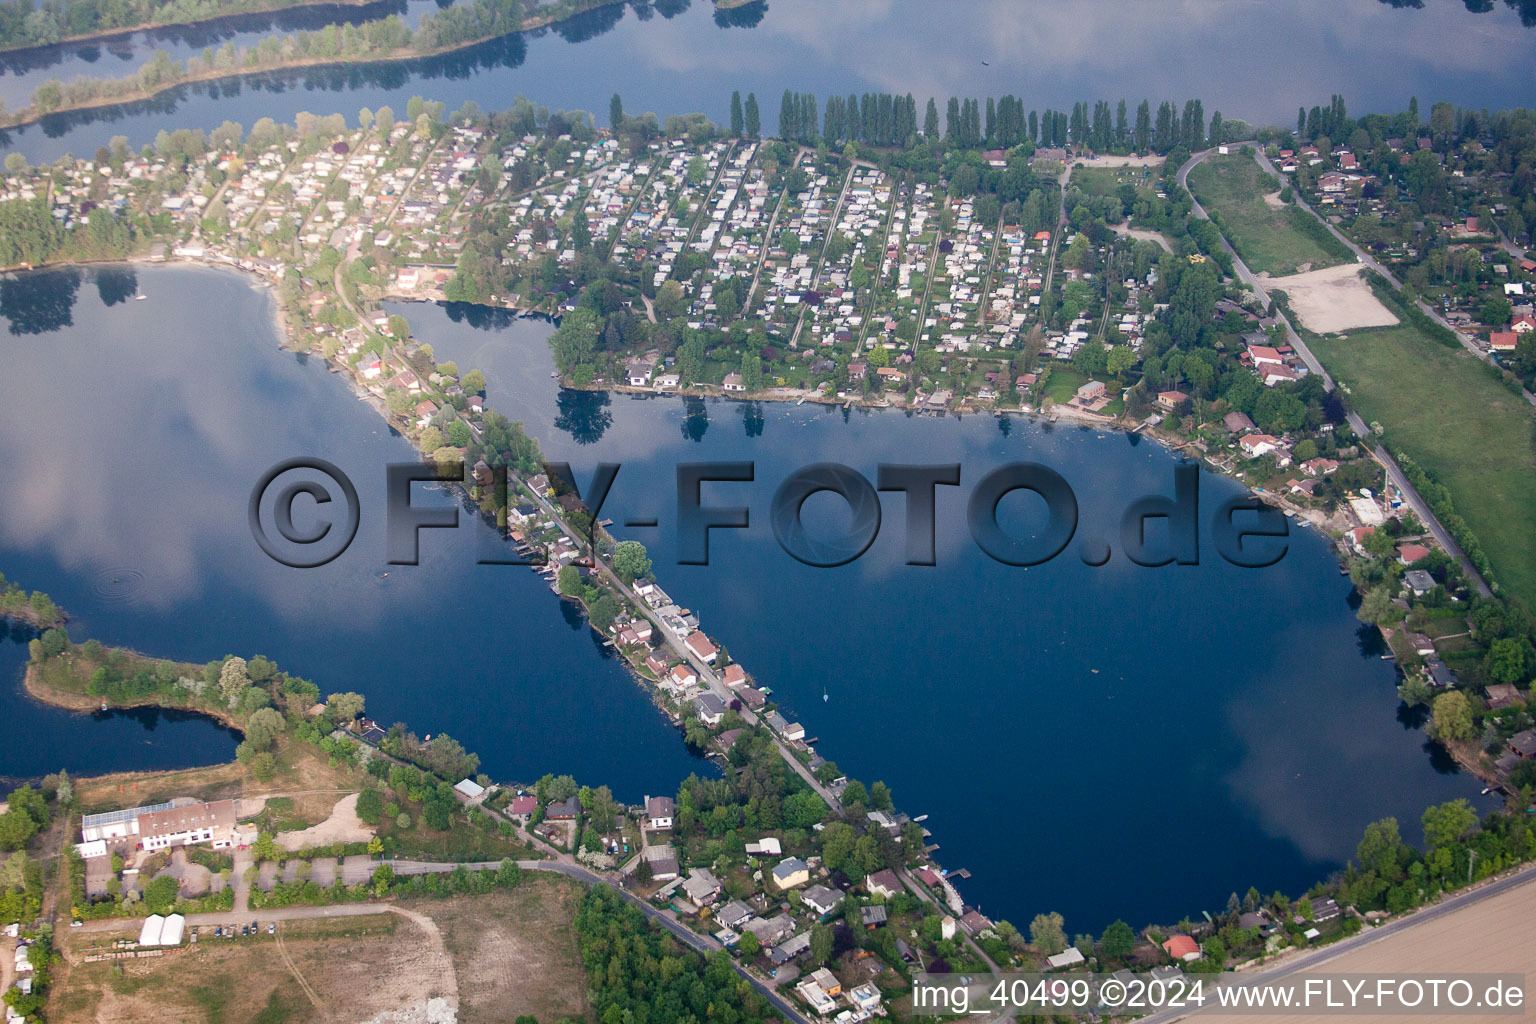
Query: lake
[[1253, 61], [1218, 727], [131, 436]]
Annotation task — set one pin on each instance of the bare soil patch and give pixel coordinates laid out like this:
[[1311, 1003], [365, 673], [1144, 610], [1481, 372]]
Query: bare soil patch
[[356, 967], [1333, 299], [342, 826], [515, 952]]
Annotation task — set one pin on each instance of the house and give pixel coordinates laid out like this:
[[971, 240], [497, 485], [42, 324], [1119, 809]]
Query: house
[[975, 922], [710, 709], [657, 663], [1170, 400], [1357, 538], [734, 914], [563, 810], [733, 382], [1440, 675], [637, 375], [734, 676], [1324, 910], [791, 873], [1237, 422], [768, 846], [752, 697], [1523, 744], [1410, 553], [1503, 341], [865, 997], [822, 899], [1256, 445], [681, 677], [662, 861], [1319, 466], [702, 887], [771, 931], [1264, 356], [870, 917], [700, 646], [816, 998], [883, 884], [1182, 947], [659, 811], [828, 981], [1524, 323], [1069, 957], [791, 948], [522, 807], [1419, 581]]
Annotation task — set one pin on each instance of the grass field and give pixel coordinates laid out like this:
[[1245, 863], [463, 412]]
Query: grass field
[[1442, 408], [1270, 240]]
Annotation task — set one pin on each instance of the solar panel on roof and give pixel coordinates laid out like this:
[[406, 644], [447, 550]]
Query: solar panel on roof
[[125, 814]]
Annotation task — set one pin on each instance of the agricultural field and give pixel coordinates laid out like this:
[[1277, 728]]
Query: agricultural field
[[1271, 237], [1444, 409]]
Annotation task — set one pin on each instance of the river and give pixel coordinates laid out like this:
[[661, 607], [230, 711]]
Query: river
[[1253, 61]]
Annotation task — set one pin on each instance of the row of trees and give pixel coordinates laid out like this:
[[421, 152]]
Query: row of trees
[[888, 119]]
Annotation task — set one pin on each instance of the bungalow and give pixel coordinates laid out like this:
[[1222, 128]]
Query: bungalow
[[668, 380], [883, 884], [891, 375], [522, 807], [702, 887], [710, 709], [1523, 744], [791, 873], [663, 863], [734, 914], [659, 811], [1182, 947], [822, 899], [1319, 466], [771, 931], [733, 382], [1069, 957], [734, 676], [700, 646], [1237, 422], [865, 997], [1419, 581], [767, 846], [870, 917], [1410, 553], [1440, 675], [563, 810], [752, 697], [638, 375]]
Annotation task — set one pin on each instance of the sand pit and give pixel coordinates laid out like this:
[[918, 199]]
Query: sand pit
[[343, 826], [1333, 299]]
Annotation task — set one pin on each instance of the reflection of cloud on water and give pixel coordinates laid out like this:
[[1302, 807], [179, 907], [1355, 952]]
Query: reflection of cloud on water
[[1300, 735]]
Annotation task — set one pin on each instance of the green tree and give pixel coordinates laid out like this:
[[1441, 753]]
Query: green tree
[[1117, 941], [1046, 933], [370, 805], [1445, 824], [749, 946], [160, 894], [1452, 716], [473, 382], [233, 678], [630, 560], [821, 944]]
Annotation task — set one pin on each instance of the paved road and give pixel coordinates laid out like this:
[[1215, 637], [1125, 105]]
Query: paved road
[[1315, 960], [1366, 259], [1411, 496]]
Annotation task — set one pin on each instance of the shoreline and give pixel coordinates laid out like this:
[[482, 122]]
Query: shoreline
[[152, 26], [44, 692], [30, 115]]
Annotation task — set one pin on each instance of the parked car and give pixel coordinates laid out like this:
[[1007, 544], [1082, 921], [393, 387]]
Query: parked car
[[272, 928]]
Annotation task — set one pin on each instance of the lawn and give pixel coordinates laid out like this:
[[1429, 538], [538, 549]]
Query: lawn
[[1442, 408], [1271, 240]]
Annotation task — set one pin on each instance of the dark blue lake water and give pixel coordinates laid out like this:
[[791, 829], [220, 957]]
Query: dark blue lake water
[[130, 438], [1253, 61], [1218, 727]]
